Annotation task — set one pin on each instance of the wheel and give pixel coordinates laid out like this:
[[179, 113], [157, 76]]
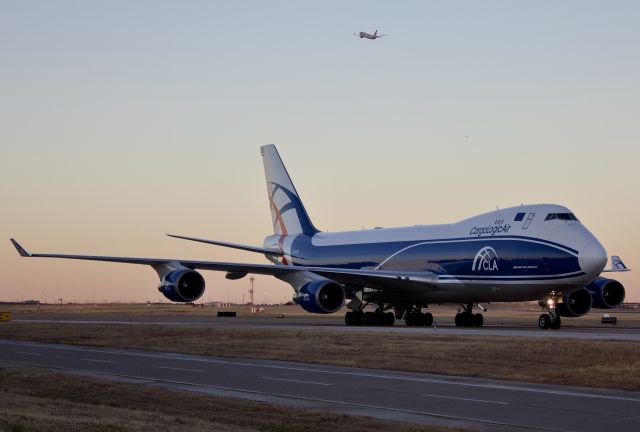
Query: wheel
[[467, 319], [349, 319], [428, 319], [459, 320], [544, 321], [478, 320], [418, 319], [390, 319], [555, 323], [369, 318], [408, 320], [381, 318]]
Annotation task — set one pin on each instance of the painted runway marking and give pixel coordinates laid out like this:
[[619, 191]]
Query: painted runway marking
[[28, 353], [466, 399], [98, 360], [296, 381], [180, 369]]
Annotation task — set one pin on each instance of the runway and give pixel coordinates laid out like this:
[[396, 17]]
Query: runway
[[422, 398], [337, 324]]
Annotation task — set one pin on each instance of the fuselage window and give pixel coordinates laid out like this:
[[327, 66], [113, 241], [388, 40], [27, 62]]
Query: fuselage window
[[519, 217]]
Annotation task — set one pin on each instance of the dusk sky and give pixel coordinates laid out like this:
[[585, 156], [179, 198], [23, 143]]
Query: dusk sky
[[121, 121]]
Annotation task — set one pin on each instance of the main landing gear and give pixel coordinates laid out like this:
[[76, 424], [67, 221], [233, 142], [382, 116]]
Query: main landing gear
[[377, 318], [550, 320], [467, 318], [415, 318]]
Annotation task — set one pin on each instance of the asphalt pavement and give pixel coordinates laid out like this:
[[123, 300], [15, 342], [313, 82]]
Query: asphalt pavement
[[421, 398]]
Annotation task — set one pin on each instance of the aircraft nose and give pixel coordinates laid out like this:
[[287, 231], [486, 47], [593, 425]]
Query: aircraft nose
[[593, 258]]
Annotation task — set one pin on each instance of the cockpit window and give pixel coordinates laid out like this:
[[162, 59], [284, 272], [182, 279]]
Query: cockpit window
[[561, 216]]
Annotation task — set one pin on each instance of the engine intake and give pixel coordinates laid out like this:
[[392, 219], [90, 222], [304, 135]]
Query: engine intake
[[182, 286], [606, 293], [575, 304], [322, 297]]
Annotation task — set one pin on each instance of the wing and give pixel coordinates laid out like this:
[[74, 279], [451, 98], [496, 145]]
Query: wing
[[381, 36], [265, 251], [382, 279]]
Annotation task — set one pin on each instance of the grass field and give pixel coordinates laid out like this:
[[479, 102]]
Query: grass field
[[37, 400], [594, 363]]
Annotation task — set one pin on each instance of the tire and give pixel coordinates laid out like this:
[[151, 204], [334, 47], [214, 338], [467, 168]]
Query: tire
[[467, 319], [381, 319], [544, 321], [369, 318], [555, 324], [348, 319], [459, 320], [408, 320], [390, 319], [418, 319], [428, 319], [478, 320]]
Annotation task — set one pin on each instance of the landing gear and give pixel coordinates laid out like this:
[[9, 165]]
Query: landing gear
[[418, 319], [550, 320], [468, 318], [414, 317], [378, 318]]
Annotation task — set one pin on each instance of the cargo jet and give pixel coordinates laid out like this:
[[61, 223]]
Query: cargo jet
[[373, 36], [531, 252]]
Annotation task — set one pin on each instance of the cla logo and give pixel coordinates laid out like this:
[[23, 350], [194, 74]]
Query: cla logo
[[486, 260]]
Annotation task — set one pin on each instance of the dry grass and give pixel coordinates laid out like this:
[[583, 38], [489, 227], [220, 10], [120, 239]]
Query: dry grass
[[36, 400], [597, 363]]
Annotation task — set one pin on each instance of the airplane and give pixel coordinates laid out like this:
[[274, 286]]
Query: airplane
[[525, 253], [373, 36]]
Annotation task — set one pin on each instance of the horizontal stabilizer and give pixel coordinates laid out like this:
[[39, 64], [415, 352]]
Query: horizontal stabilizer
[[617, 265], [266, 251]]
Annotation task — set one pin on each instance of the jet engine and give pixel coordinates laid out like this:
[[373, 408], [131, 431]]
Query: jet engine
[[322, 297], [606, 293], [182, 286], [575, 304]]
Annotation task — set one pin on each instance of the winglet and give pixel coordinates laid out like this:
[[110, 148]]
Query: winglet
[[20, 249]]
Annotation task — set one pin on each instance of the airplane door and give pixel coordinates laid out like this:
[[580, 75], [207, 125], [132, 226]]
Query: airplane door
[[528, 221]]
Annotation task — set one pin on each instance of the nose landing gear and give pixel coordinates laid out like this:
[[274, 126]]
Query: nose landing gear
[[550, 320]]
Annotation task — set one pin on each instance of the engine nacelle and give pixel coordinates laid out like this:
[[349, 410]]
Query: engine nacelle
[[322, 297], [606, 293], [182, 286], [575, 304]]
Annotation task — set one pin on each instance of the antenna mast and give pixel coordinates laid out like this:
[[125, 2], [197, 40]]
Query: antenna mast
[[251, 279]]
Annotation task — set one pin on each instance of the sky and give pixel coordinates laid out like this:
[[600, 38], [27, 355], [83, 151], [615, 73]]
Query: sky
[[122, 121]]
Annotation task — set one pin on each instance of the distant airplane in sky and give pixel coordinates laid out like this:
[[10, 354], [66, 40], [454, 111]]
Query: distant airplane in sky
[[531, 252], [365, 35]]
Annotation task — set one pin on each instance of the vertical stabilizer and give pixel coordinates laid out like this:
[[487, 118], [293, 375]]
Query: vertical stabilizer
[[287, 212]]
